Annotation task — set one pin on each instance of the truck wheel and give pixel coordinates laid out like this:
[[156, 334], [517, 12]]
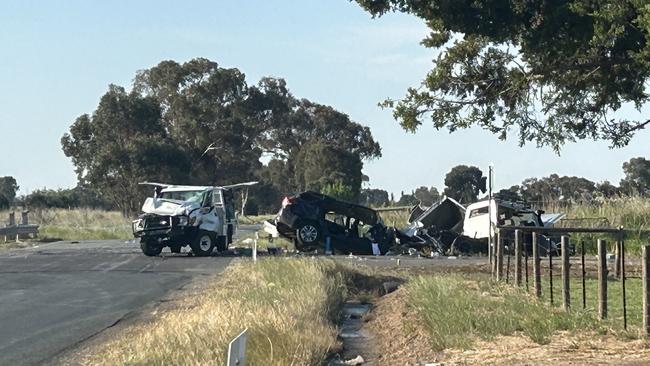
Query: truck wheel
[[203, 243], [309, 233], [222, 244], [150, 248]]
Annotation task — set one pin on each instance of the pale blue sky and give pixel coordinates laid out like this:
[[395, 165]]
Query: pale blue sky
[[57, 59]]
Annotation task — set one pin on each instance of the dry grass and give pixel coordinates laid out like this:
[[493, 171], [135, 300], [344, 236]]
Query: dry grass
[[77, 224], [397, 218], [632, 213], [252, 220], [286, 303]]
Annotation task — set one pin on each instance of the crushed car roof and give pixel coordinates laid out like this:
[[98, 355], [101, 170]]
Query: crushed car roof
[[331, 204]]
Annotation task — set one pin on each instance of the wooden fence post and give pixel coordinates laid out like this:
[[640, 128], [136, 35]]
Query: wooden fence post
[[499, 259], [645, 263], [566, 294], [537, 275], [602, 279], [621, 254], [617, 259], [517, 257]]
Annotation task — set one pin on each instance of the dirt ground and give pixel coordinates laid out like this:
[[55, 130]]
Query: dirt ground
[[403, 342]]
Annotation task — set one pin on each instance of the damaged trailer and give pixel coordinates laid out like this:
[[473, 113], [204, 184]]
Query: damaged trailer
[[451, 228]]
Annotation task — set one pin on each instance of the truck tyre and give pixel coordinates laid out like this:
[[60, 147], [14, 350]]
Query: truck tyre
[[203, 243], [309, 233], [150, 248], [222, 243]]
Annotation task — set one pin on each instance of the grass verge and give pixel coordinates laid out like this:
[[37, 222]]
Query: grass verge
[[456, 311], [78, 224], [287, 304]]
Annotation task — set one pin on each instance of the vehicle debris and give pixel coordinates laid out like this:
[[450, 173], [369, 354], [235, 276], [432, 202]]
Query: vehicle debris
[[445, 228], [453, 229], [202, 217], [309, 217]]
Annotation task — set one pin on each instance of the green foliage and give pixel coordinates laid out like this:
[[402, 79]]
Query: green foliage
[[550, 71], [340, 191], [463, 183], [321, 164], [637, 177], [160, 131], [374, 198], [8, 189], [406, 199], [427, 196], [124, 142], [554, 188], [510, 194], [65, 198]]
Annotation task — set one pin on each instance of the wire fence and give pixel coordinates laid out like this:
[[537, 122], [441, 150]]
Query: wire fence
[[546, 262]]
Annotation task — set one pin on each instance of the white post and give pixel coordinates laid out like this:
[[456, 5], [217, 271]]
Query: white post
[[237, 350], [490, 237], [257, 235]]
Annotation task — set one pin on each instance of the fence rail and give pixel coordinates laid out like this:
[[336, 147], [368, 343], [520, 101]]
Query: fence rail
[[508, 245]]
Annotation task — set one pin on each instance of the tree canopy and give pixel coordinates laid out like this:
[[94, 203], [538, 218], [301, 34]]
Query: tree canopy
[[549, 71], [199, 123], [637, 176], [463, 183], [8, 189]]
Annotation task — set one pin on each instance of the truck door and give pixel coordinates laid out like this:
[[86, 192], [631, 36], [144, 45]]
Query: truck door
[[218, 204]]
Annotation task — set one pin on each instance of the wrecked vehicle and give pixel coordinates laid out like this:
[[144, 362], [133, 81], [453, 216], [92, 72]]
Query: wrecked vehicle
[[309, 217], [202, 217], [453, 228]]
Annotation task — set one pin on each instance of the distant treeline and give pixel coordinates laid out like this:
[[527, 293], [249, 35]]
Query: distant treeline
[[463, 182]]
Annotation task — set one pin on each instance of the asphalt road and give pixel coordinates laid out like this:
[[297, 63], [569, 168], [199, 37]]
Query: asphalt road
[[54, 296]]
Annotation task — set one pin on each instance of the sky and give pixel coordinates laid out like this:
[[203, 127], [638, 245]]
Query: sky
[[58, 58]]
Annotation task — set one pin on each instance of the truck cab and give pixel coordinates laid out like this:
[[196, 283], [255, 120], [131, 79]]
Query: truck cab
[[202, 217]]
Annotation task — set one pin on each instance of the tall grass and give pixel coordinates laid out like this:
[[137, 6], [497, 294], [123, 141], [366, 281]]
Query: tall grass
[[632, 213], [77, 224], [456, 311], [286, 303]]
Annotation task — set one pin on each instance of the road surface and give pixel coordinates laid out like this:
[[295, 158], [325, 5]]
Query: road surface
[[54, 296]]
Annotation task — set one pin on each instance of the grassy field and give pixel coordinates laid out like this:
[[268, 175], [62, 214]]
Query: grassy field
[[287, 304], [632, 213], [457, 310], [77, 224], [614, 322]]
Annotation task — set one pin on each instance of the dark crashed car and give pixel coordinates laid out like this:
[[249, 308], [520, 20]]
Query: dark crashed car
[[309, 217]]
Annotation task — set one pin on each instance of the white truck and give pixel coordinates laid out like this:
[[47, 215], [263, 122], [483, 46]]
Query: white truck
[[202, 217]]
